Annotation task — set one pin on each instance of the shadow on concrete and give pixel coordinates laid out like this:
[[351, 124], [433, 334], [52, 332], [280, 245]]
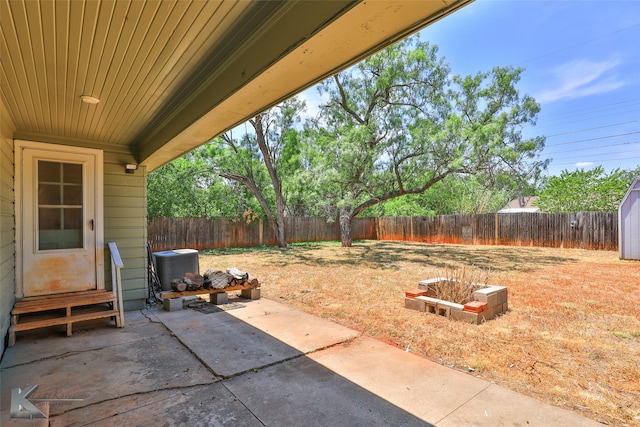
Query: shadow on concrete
[[186, 368]]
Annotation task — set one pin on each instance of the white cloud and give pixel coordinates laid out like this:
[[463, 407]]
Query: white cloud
[[580, 78], [584, 164]]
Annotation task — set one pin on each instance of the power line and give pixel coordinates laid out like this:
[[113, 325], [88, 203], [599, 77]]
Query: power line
[[592, 139], [616, 104], [599, 161], [581, 119], [598, 127], [580, 44], [594, 148], [578, 115], [591, 155]]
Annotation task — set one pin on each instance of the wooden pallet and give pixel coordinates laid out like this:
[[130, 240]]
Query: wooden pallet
[[62, 309], [174, 294]]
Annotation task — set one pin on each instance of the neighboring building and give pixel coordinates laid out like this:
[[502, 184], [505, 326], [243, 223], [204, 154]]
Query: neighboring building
[[95, 95], [521, 204]]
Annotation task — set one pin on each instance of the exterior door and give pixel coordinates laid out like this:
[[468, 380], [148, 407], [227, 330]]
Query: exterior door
[[61, 219]]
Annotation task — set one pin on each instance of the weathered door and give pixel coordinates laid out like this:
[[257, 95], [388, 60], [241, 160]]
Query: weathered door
[[60, 199]]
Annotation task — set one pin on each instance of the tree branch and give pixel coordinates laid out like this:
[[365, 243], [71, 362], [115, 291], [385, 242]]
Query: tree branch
[[343, 102], [397, 193]]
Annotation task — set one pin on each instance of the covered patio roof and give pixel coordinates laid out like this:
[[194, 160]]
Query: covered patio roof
[[172, 74]]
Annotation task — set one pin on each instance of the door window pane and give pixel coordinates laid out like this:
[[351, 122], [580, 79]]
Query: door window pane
[[60, 205], [49, 194]]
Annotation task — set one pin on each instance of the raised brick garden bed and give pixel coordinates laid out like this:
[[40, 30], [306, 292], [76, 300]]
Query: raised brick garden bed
[[488, 302]]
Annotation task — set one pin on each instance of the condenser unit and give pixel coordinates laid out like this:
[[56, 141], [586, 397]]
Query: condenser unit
[[174, 264]]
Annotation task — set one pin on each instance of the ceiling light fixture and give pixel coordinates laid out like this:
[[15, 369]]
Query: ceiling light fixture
[[89, 99]]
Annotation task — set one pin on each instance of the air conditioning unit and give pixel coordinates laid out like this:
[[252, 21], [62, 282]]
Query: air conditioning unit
[[174, 264]]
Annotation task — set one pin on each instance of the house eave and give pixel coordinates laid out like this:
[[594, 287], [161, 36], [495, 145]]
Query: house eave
[[361, 30]]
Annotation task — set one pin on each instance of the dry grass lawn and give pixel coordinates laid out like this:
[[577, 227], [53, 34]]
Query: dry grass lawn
[[571, 337]]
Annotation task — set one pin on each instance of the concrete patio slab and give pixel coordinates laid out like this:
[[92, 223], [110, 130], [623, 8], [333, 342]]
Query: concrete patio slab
[[417, 385], [302, 331], [44, 343], [280, 366], [208, 405], [257, 308], [301, 392], [498, 406], [105, 373], [225, 344]]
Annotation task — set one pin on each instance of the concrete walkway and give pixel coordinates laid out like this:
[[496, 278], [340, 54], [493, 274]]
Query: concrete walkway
[[262, 364]]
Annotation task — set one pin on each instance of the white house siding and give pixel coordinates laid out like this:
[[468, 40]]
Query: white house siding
[[7, 224], [125, 222]]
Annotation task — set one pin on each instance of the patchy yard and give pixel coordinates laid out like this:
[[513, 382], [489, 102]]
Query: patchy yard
[[571, 337]]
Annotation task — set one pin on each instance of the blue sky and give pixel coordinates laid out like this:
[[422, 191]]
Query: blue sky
[[582, 64]]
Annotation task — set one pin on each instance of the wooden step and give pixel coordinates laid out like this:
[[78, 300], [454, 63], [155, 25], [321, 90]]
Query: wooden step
[[69, 300], [66, 320], [62, 309], [55, 320], [64, 295]]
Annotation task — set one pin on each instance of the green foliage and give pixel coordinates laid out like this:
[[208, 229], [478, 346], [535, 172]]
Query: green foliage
[[471, 194], [189, 187], [466, 194], [585, 190], [179, 188], [399, 135], [398, 124], [409, 205]]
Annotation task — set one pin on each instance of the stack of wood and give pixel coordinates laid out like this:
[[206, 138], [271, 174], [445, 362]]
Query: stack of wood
[[214, 279], [241, 278], [190, 282]]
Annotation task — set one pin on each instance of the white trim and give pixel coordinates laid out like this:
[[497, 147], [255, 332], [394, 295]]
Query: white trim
[[98, 190]]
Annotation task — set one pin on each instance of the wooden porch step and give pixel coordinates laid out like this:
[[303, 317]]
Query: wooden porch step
[[62, 309], [54, 321], [62, 301], [65, 295]]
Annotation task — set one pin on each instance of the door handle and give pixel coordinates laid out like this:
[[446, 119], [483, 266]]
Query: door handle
[[91, 224]]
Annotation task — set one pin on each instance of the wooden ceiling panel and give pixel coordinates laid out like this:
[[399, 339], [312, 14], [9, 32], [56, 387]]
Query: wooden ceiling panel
[[23, 87], [8, 73], [139, 102], [161, 68], [129, 81]]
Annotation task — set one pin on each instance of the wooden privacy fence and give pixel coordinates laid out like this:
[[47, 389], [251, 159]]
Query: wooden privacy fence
[[586, 230], [203, 233]]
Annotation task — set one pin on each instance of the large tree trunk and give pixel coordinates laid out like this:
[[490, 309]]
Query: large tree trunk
[[278, 227], [280, 233], [345, 228]]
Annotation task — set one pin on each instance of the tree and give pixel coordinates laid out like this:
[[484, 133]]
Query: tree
[[585, 191], [456, 194], [260, 160], [188, 187], [180, 188], [398, 123], [470, 194]]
